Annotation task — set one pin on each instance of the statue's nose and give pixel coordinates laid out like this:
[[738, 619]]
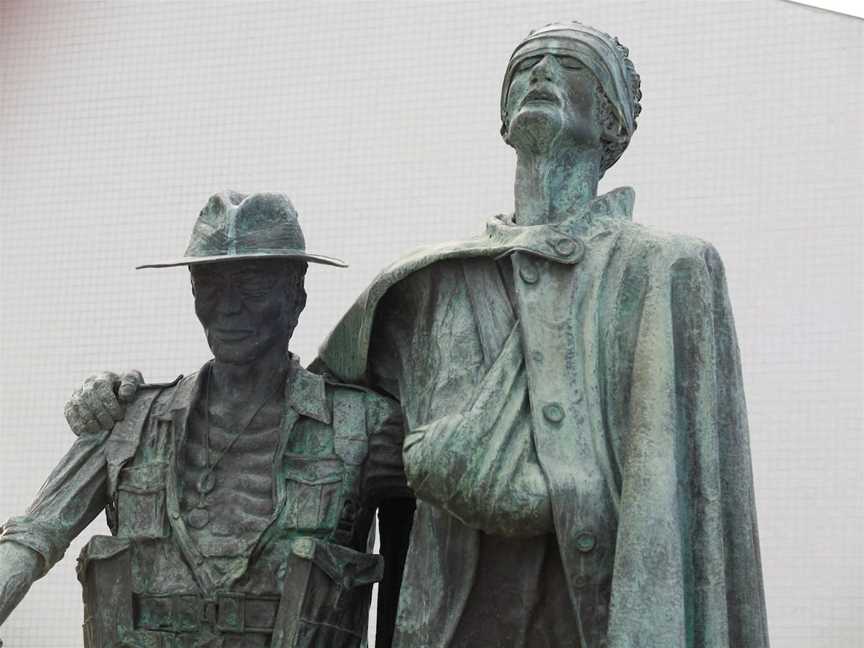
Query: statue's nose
[[544, 70], [230, 302]]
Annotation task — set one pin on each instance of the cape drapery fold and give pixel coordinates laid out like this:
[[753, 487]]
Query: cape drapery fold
[[663, 387]]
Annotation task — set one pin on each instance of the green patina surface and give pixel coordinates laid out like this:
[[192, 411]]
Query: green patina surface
[[570, 390], [571, 385]]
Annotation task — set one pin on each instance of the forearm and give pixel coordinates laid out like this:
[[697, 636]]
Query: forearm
[[19, 567], [485, 476]]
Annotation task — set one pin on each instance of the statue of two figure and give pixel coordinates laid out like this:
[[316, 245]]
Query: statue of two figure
[[548, 420]]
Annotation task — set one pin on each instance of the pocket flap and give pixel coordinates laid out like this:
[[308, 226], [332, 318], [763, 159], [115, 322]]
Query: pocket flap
[[99, 548], [312, 470], [343, 565]]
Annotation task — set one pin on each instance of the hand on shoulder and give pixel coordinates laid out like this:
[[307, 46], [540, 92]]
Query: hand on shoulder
[[101, 401]]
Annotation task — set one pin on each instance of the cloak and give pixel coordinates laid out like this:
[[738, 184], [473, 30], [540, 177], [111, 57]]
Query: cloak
[[639, 421]]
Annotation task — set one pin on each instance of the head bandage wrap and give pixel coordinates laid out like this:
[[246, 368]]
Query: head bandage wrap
[[602, 54]]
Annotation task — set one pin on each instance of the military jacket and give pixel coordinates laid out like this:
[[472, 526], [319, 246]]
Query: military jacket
[[338, 456]]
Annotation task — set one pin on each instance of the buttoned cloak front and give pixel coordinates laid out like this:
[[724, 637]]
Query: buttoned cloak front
[[632, 408]]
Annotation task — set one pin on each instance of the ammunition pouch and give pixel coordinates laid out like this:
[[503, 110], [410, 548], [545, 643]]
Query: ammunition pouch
[[105, 572], [325, 596], [325, 602], [117, 617]]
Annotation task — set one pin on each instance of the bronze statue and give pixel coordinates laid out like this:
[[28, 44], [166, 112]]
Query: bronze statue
[[577, 436], [571, 387], [240, 498]]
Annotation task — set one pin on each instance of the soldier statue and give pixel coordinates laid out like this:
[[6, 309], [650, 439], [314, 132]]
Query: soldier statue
[[240, 498], [571, 387]]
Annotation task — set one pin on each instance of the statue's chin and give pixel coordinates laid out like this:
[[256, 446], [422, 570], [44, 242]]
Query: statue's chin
[[534, 128]]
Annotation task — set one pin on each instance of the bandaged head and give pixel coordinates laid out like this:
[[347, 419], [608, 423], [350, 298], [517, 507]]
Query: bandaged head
[[604, 57]]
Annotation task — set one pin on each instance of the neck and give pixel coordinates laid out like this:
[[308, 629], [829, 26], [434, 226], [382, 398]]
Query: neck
[[555, 183], [244, 382]]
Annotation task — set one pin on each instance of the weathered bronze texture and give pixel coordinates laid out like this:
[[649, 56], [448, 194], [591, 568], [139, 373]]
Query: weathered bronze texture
[[571, 388], [240, 498], [571, 385]]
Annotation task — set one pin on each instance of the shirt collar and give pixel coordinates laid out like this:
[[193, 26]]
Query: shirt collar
[[307, 394]]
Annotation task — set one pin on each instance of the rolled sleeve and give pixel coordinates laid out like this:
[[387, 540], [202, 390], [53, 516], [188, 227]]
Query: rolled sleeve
[[67, 502]]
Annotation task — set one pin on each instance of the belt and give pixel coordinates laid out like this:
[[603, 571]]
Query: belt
[[226, 612]]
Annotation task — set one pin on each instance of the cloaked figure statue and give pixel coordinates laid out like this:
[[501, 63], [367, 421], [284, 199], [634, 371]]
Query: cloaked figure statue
[[577, 434]]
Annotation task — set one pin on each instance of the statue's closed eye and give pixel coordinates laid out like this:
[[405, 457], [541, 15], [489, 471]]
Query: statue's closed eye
[[567, 62]]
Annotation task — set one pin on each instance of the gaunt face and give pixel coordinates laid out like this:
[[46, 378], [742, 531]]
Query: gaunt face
[[247, 308], [552, 96]]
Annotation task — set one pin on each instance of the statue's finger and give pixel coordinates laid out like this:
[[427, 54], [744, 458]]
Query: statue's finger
[[88, 421], [108, 399], [92, 404], [129, 385], [73, 419]]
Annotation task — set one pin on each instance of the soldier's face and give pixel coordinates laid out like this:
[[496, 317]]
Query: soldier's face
[[246, 308], [552, 96]]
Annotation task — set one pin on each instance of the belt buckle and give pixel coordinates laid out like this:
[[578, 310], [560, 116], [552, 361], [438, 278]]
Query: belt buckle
[[208, 612], [230, 612], [187, 613]]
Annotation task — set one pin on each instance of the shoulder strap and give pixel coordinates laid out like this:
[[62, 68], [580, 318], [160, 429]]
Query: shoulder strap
[[123, 441], [349, 425]]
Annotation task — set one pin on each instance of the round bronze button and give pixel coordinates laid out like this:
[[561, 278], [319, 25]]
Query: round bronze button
[[565, 246], [573, 249], [198, 518], [585, 541], [528, 272], [553, 413]]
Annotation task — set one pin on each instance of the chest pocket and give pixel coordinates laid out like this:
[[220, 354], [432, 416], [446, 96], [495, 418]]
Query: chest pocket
[[141, 501], [312, 492]]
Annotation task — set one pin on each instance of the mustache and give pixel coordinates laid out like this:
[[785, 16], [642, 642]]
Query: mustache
[[541, 94]]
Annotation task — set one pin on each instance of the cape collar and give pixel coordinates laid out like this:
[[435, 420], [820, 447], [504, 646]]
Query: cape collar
[[345, 351], [616, 204]]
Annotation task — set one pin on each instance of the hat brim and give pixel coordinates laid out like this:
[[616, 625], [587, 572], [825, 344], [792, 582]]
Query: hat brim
[[225, 258]]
